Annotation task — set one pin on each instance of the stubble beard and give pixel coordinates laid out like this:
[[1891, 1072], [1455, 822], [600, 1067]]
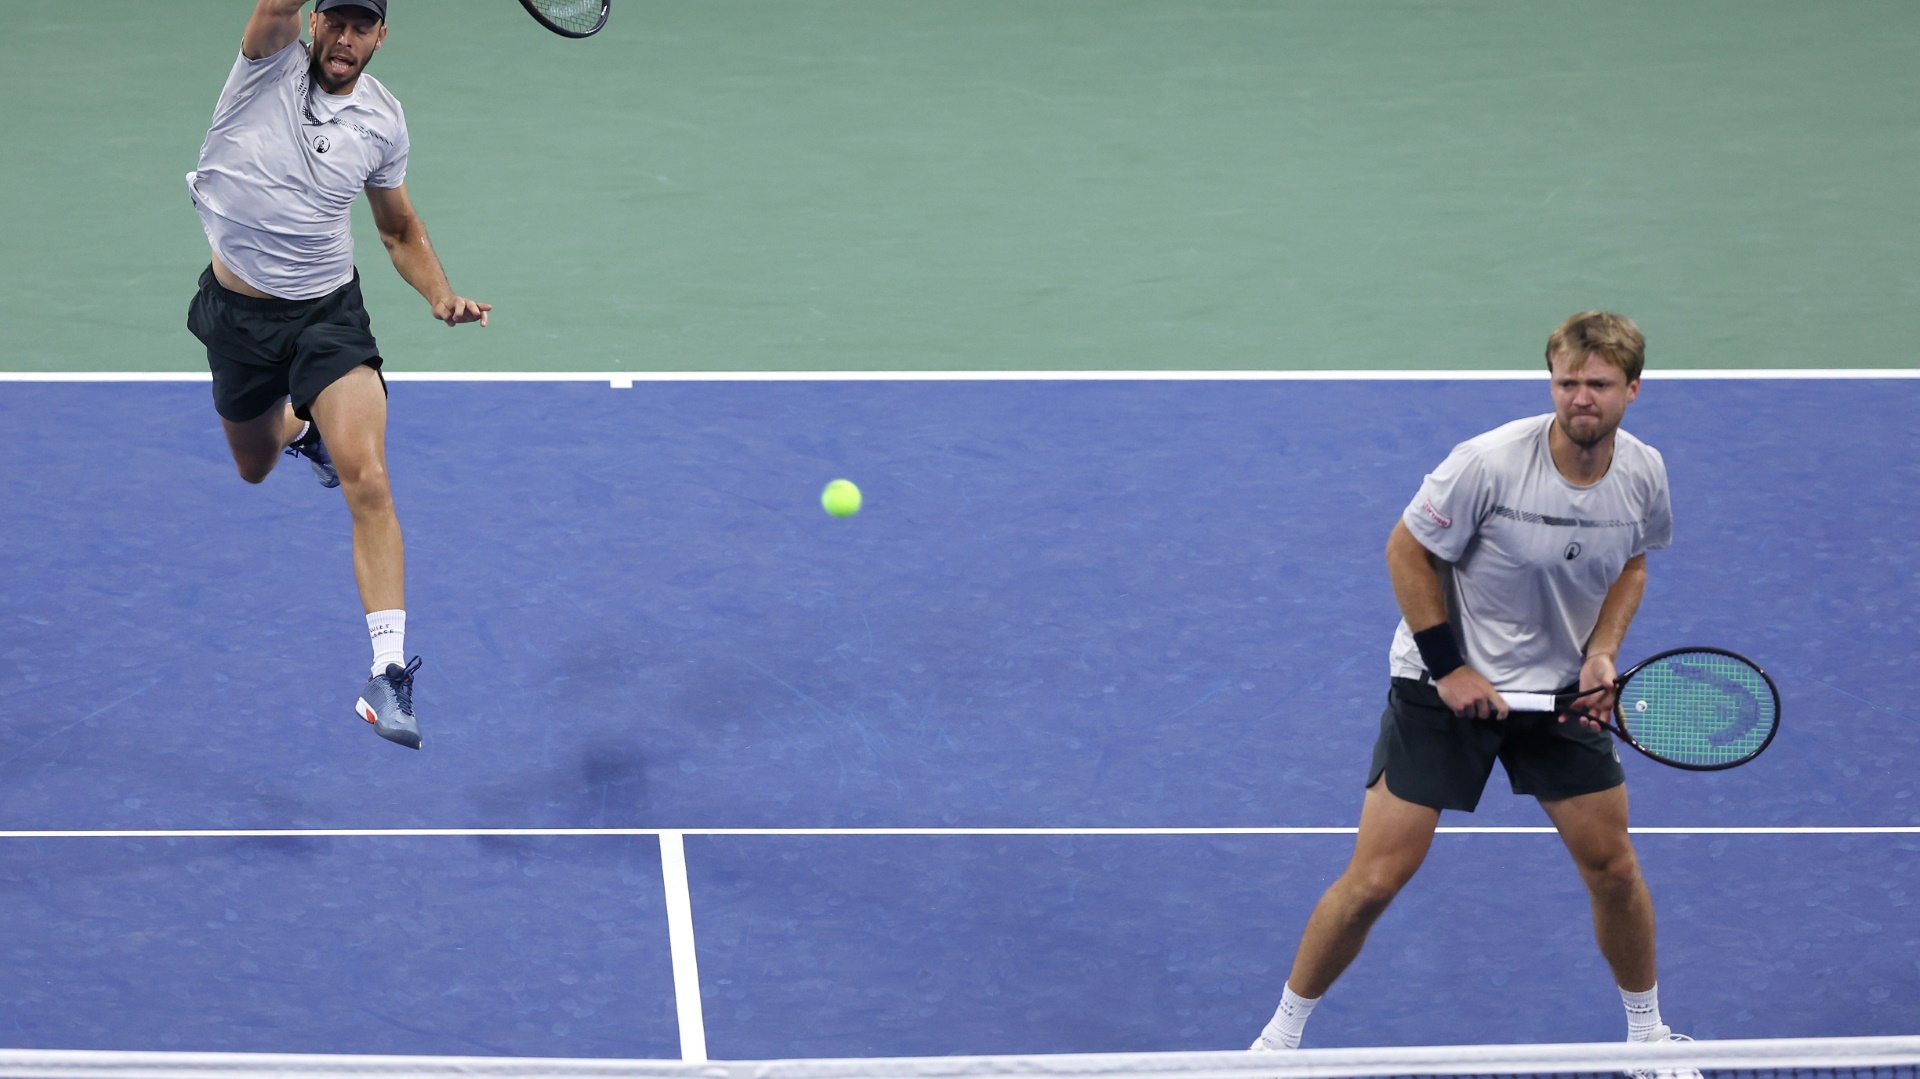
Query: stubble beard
[[1603, 433]]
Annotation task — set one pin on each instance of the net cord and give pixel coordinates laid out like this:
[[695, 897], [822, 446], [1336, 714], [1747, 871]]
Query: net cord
[[1757, 1054]]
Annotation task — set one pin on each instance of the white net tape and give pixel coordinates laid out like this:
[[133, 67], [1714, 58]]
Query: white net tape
[[1766, 1055]]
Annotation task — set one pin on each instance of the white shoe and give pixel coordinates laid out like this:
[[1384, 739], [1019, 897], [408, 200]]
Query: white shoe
[[1262, 1045], [1664, 1033]]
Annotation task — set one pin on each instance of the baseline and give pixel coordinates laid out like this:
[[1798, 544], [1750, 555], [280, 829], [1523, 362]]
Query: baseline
[[664, 833], [626, 380]]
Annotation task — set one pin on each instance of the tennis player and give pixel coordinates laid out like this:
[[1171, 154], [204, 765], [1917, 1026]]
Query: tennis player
[[1518, 566], [299, 131]]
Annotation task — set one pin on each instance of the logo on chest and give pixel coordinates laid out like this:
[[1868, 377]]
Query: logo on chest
[[321, 144], [1573, 551]]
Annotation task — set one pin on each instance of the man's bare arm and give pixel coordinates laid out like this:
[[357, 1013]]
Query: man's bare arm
[[1416, 585], [405, 237], [1603, 646], [275, 25], [1423, 603]]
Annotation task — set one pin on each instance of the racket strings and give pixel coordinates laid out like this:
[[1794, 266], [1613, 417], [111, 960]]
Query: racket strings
[[580, 16], [1699, 708]]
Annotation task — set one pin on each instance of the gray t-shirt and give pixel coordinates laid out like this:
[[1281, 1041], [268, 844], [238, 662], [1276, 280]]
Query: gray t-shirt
[[1530, 555], [281, 166]]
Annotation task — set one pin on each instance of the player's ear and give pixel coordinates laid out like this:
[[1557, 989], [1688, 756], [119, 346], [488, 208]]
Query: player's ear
[[1633, 390]]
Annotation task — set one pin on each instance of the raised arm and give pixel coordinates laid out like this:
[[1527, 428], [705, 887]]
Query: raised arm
[[1416, 588], [275, 25], [405, 237]]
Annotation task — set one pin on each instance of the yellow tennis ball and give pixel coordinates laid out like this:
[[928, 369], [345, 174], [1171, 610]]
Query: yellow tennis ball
[[841, 498]]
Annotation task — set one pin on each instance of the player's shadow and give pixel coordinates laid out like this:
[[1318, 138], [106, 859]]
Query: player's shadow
[[606, 787]]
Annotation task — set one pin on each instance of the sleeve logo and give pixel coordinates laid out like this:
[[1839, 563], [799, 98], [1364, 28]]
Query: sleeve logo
[[1439, 518]]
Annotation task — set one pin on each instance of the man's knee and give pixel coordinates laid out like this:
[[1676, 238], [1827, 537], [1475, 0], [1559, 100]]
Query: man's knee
[[1614, 873], [254, 468], [1372, 886], [366, 487]]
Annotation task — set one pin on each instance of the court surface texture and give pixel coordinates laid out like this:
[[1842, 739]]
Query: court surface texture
[[1053, 746], [1151, 606]]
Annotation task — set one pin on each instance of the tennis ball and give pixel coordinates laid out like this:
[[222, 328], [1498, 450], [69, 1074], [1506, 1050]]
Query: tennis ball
[[841, 498]]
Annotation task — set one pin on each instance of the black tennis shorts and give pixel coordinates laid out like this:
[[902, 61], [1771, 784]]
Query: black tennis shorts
[[261, 350], [1437, 759]]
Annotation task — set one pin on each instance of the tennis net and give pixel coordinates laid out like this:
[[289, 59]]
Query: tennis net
[[1812, 1058]]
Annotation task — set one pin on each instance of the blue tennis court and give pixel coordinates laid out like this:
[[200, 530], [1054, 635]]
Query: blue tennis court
[[1110, 652]]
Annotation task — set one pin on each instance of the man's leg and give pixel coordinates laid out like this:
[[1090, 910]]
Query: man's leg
[[1594, 828], [1394, 837], [256, 444], [351, 414], [352, 417]]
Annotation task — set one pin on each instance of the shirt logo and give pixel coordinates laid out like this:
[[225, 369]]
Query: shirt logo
[[320, 144], [1439, 518], [1573, 551]]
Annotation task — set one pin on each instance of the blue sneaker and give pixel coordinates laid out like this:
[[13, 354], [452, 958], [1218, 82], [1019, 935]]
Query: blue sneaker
[[315, 451], [387, 703]]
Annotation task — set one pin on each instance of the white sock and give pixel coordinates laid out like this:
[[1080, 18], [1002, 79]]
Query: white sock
[[1289, 1021], [389, 632], [1643, 1014], [305, 426]]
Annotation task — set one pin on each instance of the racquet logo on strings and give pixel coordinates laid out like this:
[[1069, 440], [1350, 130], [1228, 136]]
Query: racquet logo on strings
[[1697, 708]]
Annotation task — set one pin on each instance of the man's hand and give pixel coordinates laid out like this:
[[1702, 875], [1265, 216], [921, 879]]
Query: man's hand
[[1470, 695], [457, 309], [405, 237], [1596, 708]]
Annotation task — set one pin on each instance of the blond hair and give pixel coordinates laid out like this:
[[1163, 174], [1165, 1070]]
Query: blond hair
[[1614, 338]]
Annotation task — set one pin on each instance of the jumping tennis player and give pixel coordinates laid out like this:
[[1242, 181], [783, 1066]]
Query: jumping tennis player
[[1518, 566], [299, 131]]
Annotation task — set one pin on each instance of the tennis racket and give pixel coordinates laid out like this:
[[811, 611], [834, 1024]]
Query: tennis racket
[[1698, 708], [569, 18]]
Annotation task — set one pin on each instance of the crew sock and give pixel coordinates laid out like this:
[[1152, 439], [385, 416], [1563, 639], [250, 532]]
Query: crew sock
[[388, 629]]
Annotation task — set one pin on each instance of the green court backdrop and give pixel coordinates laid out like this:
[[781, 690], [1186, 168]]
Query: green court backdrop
[[1029, 184]]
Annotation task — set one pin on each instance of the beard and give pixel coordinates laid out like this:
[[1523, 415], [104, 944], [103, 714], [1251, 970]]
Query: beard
[[1598, 432], [327, 82]]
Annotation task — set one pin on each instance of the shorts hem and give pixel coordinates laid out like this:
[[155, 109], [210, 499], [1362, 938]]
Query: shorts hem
[[1379, 775], [1558, 796], [304, 409]]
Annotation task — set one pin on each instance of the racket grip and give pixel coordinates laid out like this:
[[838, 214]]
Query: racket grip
[[1531, 702]]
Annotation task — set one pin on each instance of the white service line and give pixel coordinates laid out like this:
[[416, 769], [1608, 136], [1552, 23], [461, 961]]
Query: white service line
[[663, 833], [622, 380], [686, 968]]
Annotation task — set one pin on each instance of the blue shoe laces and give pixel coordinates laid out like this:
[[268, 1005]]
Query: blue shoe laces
[[403, 685]]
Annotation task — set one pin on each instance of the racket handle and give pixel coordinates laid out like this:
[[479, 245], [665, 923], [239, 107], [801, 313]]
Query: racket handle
[[1531, 702]]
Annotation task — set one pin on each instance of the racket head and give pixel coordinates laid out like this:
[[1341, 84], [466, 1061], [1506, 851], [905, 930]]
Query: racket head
[[1702, 709], [569, 18]]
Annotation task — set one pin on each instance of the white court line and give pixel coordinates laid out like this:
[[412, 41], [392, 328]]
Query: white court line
[[663, 833], [626, 379], [686, 968], [1896, 1055]]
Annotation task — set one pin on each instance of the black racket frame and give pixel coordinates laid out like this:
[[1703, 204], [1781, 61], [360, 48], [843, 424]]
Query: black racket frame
[[1620, 728], [605, 9]]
